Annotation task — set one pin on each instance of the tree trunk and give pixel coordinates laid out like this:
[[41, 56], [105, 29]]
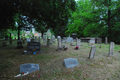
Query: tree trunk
[[109, 26]]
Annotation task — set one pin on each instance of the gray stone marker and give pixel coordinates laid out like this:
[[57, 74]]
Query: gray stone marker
[[92, 52], [31, 46], [70, 62], [35, 38], [48, 42], [111, 49], [92, 40], [28, 67], [28, 40], [39, 40], [53, 37], [72, 44], [78, 42], [69, 39], [59, 43], [106, 40], [44, 39]]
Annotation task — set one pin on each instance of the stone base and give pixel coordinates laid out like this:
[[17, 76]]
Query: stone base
[[31, 52]]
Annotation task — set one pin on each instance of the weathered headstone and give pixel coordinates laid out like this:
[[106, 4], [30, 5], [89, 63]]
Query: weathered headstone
[[92, 40], [44, 38], [28, 40], [28, 67], [39, 40], [59, 43], [4, 44], [69, 39], [72, 44], [19, 44], [35, 38], [92, 52], [111, 49], [48, 42], [70, 62], [31, 46], [106, 40], [53, 37], [78, 42]]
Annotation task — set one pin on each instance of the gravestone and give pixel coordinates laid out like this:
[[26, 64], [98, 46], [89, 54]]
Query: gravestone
[[48, 42], [70, 62], [92, 52], [35, 38], [53, 37], [28, 40], [31, 46], [4, 44], [111, 49], [59, 44], [44, 38], [19, 44], [72, 44], [69, 39], [78, 42], [92, 40], [106, 40], [28, 67], [39, 40]]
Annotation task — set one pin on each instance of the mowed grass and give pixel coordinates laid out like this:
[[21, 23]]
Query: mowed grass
[[51, 63]]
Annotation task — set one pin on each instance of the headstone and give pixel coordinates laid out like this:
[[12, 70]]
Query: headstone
[[39, 40], [92, 52], [28, 67], [59, 43], [35, 38], [106, 40], [53, 37], [31, 46], [44, 38], [48, 42], [72, 44], [74, 35], [69, 39], [28, 40], [19, 44], [92, 40], [78, 42], [70, 62], [4, 44], [111, 49]]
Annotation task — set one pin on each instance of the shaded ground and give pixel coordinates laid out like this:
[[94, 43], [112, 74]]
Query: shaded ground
[[51, 67]]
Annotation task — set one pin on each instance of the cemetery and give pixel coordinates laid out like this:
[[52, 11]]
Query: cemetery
[[60, 40], [48, 63]]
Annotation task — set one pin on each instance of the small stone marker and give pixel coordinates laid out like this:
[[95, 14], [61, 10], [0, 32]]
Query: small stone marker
[[106, 40], [92, 52], [78, 42], [72, 44], [44, 38], [48, 42], [111, 49], [28, 67], [70, 62], [59, 44]]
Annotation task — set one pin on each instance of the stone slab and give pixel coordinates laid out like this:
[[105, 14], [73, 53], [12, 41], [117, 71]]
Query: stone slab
[[70, 62], [28, 67]]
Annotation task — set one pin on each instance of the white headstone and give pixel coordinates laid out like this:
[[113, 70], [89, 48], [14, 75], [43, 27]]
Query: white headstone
[[106, 40], [92, 40], [59, 43], [78, 42], [111, 49], [92, 52]]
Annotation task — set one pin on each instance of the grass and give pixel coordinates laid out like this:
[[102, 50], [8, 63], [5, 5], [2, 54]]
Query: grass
[[51, 63]]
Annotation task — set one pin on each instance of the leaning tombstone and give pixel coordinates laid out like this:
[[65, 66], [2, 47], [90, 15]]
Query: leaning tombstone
[[70, 62], [111, 49], [92, 52], [29, 67]]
